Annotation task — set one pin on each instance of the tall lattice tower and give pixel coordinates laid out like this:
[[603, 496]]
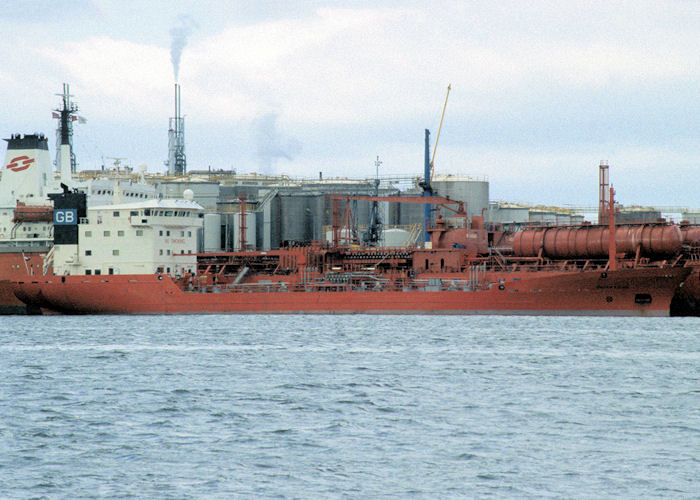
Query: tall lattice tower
[[177, 161]]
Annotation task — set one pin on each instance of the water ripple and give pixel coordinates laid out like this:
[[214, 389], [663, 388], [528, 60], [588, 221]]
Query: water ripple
[[344, 406]]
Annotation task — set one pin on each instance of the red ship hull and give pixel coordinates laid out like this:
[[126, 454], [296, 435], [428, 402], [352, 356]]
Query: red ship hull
[[14, 266], [686, 301], [627, 292]]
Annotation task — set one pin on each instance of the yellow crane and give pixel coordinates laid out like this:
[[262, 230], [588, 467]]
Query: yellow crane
[[437, 138]]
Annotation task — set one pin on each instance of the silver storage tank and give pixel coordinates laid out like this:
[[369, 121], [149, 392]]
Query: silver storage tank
[[250, 232], [474, 192], [395, 237], [212, 232]]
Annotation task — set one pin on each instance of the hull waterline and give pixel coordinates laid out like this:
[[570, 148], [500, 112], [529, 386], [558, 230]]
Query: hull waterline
[[633, 292]]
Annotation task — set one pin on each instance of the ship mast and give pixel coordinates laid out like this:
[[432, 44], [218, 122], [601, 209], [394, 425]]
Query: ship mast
[[66, 115], [374, 227]]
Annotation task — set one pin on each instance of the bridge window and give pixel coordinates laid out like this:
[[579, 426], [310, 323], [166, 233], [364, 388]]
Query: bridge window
[[88, 272], [115, 214], [134, 213], [98, 271]]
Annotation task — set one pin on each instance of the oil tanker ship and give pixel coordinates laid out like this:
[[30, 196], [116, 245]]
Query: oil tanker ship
[[140, 259], [26, 213]]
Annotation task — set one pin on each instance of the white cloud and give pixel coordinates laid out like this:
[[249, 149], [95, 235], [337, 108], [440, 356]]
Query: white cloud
[[349, 66], [557, 79], [119, 78]]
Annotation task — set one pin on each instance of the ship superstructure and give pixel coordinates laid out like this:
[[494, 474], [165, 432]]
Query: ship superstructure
[[151, 236], [27, 179]]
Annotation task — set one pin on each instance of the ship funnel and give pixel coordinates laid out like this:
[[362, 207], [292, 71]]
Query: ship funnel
[[26, 171]]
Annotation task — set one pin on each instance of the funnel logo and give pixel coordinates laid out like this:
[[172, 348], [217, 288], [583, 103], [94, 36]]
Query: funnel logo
[[20, 163]]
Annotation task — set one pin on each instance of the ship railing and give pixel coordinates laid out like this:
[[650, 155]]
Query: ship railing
[[449, 285], [372, 284]]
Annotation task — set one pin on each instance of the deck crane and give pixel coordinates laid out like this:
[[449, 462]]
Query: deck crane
[[429, 168], [437, 138]]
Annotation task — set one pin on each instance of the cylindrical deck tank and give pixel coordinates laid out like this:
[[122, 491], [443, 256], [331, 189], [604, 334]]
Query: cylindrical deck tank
[[212, 232], [691, 235], [29, 213], [593, 241]]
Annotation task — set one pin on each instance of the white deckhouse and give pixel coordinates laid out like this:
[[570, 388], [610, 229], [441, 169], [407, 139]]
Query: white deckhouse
[[151, 236]]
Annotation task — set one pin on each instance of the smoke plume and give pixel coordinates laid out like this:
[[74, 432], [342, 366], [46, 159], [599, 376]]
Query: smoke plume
[[179, 34], [272, 144]]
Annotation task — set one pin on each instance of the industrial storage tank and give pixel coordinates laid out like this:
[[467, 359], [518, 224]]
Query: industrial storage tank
[[510, 215], [473, 192], [295, 217], [637, 215], [343, 234], [212, 232], [395, 237], [392, 237], [250, 232], [593, 241], [301, 217], [543, 216], [692, 217]]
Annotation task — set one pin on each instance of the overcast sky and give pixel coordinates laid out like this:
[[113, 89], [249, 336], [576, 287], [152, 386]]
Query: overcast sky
[[541, 91]]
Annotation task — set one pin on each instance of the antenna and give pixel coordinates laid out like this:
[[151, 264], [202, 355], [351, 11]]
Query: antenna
[[377, 163]]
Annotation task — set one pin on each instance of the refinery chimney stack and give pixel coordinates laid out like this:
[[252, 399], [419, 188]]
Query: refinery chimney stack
[[603, 193], [177, 161]]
